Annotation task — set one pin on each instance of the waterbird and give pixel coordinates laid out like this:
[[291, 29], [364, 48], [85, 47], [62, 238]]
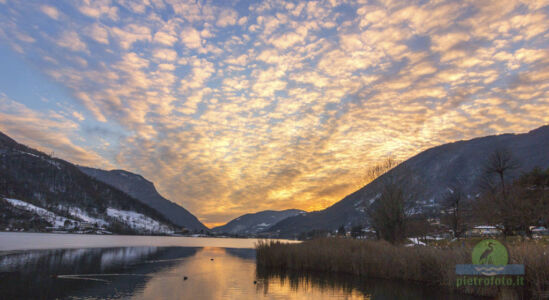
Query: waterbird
[[485, 256], [211, 259], [255, 282], [185, 278]]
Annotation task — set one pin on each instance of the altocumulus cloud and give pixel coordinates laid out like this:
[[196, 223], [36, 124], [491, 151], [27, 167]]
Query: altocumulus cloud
[[276, 104]]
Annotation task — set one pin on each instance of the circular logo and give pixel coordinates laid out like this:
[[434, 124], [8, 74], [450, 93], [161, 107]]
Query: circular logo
[[490, 252]]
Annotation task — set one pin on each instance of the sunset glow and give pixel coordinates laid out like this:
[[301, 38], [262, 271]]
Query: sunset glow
[[232, 107]]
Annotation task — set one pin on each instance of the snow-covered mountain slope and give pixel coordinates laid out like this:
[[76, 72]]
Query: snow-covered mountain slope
[[256, 222], [55, 220], [136, 221], [60, 188]]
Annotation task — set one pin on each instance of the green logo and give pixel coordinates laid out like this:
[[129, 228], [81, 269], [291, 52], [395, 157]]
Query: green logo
[[490, 252]]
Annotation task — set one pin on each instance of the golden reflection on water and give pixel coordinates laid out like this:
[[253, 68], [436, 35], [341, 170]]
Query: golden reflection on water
[[229, 276], [280, 289]]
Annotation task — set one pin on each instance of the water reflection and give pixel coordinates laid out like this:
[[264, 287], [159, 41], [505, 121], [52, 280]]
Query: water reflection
[[314, 285], [160, 272], [100, 273]]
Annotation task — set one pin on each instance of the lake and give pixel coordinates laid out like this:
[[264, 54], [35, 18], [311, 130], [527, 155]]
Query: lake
[[63, 266]]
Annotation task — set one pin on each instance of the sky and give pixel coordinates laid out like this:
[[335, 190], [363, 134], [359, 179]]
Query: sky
[[232, 107]]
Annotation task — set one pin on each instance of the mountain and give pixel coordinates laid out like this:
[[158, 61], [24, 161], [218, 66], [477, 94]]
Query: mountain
[[433, 172], [256, 222], [143, 190], [39, 192]]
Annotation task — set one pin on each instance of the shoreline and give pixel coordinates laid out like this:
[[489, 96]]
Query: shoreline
[[433, 266], [10, 241]]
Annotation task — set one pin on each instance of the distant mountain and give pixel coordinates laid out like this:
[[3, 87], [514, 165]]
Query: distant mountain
[[256, 222], [433, 171], [143, 190], [39, 191]]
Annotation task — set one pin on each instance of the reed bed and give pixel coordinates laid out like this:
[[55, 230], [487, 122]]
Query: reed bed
[[379, 259]]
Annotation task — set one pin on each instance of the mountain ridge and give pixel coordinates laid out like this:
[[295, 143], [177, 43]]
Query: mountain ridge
[[254, 223], [441, 166], [145, 191]]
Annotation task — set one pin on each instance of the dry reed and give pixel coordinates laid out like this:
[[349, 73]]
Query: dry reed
[[379, 259]]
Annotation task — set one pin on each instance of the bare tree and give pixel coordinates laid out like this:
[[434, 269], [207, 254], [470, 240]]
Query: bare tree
[[527, 200], [377, 170], [453, 202], [500, 163], [390, 213]]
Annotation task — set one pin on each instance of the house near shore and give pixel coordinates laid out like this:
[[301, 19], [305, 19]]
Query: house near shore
[[538, 232], [87, 226], [367, 234], [483, 230]]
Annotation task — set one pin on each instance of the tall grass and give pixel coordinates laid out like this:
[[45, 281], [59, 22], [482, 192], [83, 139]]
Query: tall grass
[[379, 259], [535, 257]]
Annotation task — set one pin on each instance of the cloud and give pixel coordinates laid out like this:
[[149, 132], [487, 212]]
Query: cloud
[[46, 131], [24, 38], [91, 106], [50, 11], [165, 38], [240, 60], [131, 34], [72, 41], [286, 40], [167, 67], [242, 21], [202, 70], [165, 54], [78, 116], [98, 8], [226, 18], [190, 37], [98, 33]]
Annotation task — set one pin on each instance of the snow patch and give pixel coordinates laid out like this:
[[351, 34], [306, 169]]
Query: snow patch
[[56, 220], [82, 215], [27, 153], [416, 241], [54, 163], [138, 221], [375, 198], [133, 219]]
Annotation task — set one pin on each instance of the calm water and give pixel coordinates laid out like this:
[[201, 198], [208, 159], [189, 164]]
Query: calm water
[[131, 268]]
